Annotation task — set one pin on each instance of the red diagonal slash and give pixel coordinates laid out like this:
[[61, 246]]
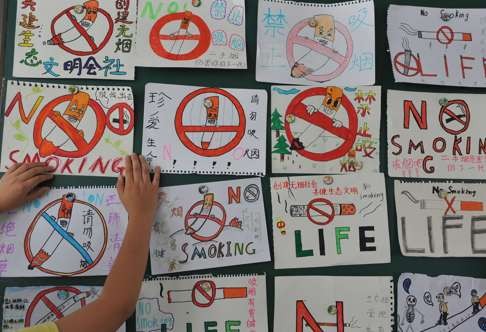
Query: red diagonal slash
[[52, 307], [72, 132], [82, 31], [324, 50], [449, 205]]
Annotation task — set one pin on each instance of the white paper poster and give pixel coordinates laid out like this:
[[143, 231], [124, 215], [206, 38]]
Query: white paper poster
[[203, 303], [78, 130], [207, 225], [68, 232], [309, 43], [329, 220], [197, 33], [441, 219], [325, 129], [190, 129], [440, 304], [436, 135], [320, 303], [30, 306], [75, 39], [441, 46]]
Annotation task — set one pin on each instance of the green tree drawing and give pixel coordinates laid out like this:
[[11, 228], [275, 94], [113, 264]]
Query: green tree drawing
[[281, 147], [277, 123]]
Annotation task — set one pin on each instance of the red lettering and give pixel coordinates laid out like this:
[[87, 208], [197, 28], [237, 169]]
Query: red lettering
[[99, 164], [422, 69], [468, 144], [427, 169], [55, 159], [396, 144], [35, 158], [232, 196], [482, 146], [420, 119], [456, 149], [446, 66], [415, 147], [18, 100], [115, 165], [11, 156], [463, 67], [83, 162], [303, 314], [67, 166], [442, 141], [484, 66]]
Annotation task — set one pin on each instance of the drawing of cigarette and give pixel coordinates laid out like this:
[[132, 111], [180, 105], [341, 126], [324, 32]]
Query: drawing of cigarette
[[63, 307], [205, 292], [202, 216], [340, 209], [55, 238], [435, 204], [444, 35], [408, 55]]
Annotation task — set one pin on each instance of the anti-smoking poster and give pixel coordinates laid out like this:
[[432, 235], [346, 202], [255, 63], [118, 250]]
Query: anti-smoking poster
[[207, 225], [329, 220], [78, 130], [441, 219], [436, 135], [30, 306], [311, 43], [191, 33], [190, 129], [444, 303], [330, 129], [441, 46], [75, 39], [203, 303], [68, 232]]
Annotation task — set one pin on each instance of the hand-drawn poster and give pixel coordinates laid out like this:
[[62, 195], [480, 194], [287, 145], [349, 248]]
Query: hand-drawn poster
[[203, 303], [78, 130], [441, 219], [200, 226], [329, 220], [75, 39], [29, 306], [440, 304], [325, 129], [68, 232], [197, 33], [191, 129], [436, 135], [321, 303], [441, 46], [310, 43]]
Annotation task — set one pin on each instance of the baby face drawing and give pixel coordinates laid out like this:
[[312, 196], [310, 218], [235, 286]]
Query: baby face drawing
[[324, 28]]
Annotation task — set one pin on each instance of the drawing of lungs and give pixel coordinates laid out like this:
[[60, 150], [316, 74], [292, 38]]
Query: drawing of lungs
[[236, 15], [218, 9]]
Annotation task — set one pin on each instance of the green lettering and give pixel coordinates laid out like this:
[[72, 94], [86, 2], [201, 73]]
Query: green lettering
[[188, 327], [173, 7], [232, 323], [209, 325], [148, 9], [299, 252], [341, 234]]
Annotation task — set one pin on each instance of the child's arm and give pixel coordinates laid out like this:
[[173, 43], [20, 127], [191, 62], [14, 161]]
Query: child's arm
[[117, 301], [20, 184]]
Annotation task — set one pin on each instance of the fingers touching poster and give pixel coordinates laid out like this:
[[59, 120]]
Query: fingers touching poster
[[208, 225], [197, 33], [29, 306], [436, 135], [441, 219], [329, 220], [75, 39], [319, 303], [440, 304], [309, 43], [203, 303], [68, 232], [441, 46], [325, 129], [78, 130], [191, 129]]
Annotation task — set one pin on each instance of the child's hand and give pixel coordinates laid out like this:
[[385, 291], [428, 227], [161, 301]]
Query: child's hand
[[19, 184], [137, 192]]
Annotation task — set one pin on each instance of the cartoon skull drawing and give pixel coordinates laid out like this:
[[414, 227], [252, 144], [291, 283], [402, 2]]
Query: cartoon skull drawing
[[411, 300], [332, 100]]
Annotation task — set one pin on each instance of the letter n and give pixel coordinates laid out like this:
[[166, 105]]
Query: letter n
[[234, 196], [303, 314], [18, 100], [420, 118]]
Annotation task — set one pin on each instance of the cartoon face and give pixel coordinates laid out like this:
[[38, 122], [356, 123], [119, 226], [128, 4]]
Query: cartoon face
[[474, 292], [324, 28], [411, 300], [440, 297], [332, 100], [212, 107]]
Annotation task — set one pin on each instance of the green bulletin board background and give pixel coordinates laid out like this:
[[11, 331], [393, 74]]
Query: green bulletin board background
[[246, 79]]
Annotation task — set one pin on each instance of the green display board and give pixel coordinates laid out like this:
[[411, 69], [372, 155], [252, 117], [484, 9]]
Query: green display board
[[246, 79]]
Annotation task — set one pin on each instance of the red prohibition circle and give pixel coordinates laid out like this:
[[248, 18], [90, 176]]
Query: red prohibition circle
[[200, 289], [406, 69], [94, 48], [445, 35], [182, 129], [203, 38], [83, 147], [42, 296], [299, 110], [445, 111], [220, 222], [121, 129], [28, 251], [311, 206]]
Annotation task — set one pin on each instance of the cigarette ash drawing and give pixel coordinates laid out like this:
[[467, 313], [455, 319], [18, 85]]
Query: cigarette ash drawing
[[329, 220], [329, 129]]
